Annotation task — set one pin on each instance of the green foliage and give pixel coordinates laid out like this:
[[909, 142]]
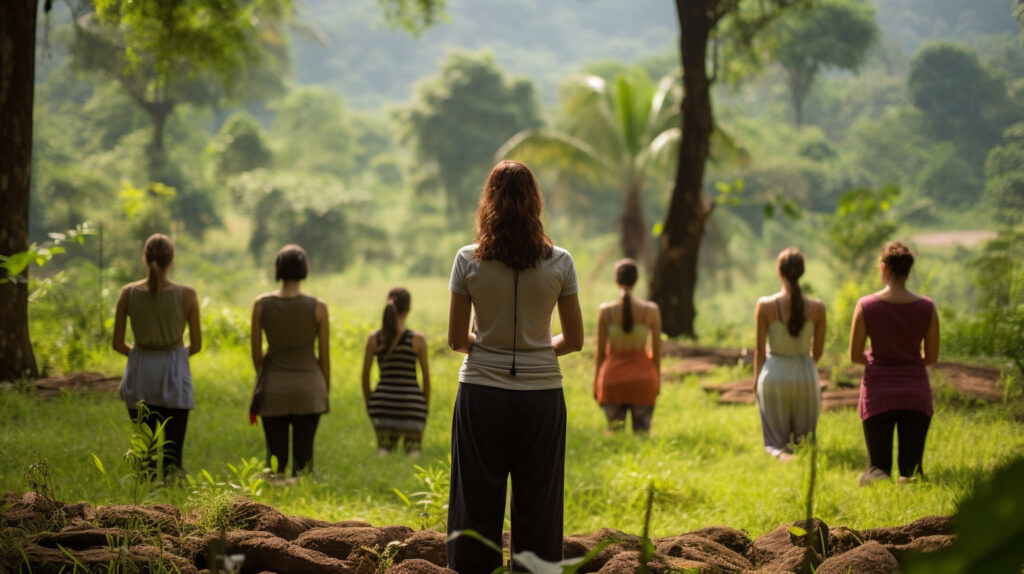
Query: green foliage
[[949, 179], [829, 34], [962, 101], [860, 225], [308, 208], [998, 329], [240, 146], [989, 527], [433, 501], [413, 15], [1004, 176], [621, 130], [13, 265], [459, 119]]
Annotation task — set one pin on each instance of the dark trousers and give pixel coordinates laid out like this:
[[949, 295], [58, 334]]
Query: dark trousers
[[174, 433], [497, 433], [303, 428], [911, 430]]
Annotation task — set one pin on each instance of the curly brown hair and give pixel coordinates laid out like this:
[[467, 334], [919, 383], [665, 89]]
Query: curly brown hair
[[898, 259], [508, 226]]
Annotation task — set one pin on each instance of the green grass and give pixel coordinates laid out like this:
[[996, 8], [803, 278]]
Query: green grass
[[706, 460]]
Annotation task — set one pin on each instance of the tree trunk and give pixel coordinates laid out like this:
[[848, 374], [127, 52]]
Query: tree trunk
[[17, 80], [675, 270], [634, 233], [798, 88], [155, 153]]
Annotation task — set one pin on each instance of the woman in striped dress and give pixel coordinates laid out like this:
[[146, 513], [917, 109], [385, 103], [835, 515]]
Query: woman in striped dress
[[397, 407]]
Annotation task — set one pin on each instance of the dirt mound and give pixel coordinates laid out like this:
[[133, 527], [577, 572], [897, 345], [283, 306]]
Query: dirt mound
[[982, 383], [50, 536], [76, 382]]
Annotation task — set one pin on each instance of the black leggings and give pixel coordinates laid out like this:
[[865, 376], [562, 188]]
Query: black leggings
[[303, 429], [911, 430], [174, 433]]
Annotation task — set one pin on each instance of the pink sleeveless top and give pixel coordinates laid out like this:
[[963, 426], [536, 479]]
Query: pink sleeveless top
[[895, 377]]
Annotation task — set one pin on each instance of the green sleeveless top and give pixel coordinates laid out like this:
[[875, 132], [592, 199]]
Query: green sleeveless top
[[158, 322]]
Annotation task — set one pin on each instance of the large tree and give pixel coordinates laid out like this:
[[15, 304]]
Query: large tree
[[675, 270], [164, 54], [832, 33], [17, 81], [614, 132]]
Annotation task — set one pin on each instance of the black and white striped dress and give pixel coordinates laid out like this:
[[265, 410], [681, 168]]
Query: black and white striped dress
[[397, 404]]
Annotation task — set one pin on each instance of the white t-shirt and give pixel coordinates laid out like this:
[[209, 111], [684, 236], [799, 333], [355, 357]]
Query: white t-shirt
[[491, 287]]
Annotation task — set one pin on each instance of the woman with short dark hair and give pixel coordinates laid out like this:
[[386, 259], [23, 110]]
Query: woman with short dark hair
[[895, 393], [292, 381], [157, 375], [509, 416]]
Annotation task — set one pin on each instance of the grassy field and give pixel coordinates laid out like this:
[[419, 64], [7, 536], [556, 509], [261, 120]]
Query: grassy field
[[705, 460]]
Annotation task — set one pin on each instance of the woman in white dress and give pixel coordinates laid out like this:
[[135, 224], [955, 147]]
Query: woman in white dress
[[786, 380]]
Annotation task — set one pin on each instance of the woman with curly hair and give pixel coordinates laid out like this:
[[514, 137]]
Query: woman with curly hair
[[895, 393], [509, 416]]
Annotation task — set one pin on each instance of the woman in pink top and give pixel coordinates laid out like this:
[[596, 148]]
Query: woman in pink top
[[895, 393]]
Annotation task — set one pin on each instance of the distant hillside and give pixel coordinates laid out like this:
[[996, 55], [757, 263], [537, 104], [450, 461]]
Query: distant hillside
[[541, 39]]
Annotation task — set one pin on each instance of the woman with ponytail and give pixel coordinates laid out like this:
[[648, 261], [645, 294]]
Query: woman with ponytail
[[786, 380], [627, 374], [509, 416], [157, 374], [397, 407], [294, 374]]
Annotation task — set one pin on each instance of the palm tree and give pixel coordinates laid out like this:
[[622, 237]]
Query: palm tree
[[612, 131]]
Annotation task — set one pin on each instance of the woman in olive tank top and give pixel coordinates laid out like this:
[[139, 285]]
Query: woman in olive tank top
[[157, 374], [292, 381]]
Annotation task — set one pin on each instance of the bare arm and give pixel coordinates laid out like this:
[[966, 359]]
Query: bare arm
[[570, 315], [858, 337], [195, 334], [371, 350], [459, 310], [420, 347], [819, 332], [760, 345], [120, 320], [931, 340], [256, 336], [655, 329], [602, 341], [323, 338]]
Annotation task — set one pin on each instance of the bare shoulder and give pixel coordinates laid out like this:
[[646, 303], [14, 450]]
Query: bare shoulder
[[816, 306], [419, 337], [652, 306], [188, 291]]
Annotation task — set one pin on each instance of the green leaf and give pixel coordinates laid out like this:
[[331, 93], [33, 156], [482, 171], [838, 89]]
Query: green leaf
[[99, 464], [769, 211], [658, 228], [797, 531], [722, 187]]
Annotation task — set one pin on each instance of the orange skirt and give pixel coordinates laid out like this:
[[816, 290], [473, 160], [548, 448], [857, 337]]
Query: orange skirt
[[627, 378]]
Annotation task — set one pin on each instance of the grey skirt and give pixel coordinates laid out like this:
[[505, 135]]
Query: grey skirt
[[161, 378]]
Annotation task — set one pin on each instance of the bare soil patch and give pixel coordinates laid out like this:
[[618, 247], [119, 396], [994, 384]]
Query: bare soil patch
[[50, 536]]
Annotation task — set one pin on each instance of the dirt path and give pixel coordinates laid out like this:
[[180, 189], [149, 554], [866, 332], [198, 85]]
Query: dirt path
[[950, 238]]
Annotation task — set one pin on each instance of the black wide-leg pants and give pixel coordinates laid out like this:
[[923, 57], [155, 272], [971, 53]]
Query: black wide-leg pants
[[303, 429], [497, 433]]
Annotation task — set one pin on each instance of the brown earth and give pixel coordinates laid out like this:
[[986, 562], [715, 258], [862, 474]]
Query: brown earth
[[51, 536], [973, 382]]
